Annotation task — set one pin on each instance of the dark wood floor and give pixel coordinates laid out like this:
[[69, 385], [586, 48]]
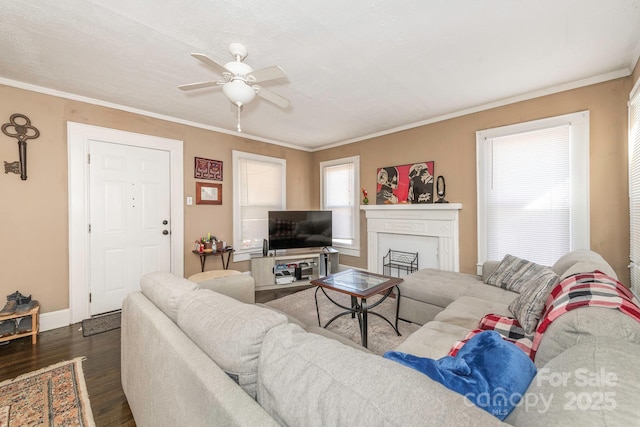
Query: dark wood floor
[[101, 368]]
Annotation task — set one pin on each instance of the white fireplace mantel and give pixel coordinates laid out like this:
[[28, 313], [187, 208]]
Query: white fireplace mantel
[[416, 221]]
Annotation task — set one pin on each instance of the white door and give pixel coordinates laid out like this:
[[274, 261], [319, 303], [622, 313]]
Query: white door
[[130, 222]]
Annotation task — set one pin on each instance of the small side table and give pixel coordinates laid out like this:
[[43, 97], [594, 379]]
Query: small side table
[[35, 324], [204, 255]]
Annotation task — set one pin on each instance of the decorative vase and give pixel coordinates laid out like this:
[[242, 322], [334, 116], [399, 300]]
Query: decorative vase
[[365, 201]]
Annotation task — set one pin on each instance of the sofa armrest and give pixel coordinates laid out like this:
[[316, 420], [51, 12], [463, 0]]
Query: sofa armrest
[[239, 286], [487, 268], [160, 364]]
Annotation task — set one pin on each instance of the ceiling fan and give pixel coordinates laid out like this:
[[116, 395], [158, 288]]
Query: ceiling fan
[[239, 80]]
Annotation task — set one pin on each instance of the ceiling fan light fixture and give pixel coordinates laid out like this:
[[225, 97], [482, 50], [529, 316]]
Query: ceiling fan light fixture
[[239, 92], [238, 68], [239, 80]]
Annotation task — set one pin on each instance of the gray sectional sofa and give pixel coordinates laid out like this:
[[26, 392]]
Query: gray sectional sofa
[[193, 356]]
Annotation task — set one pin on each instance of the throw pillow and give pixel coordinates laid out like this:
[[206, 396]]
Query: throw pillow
[[489, 371], [517, 274], [529, 305], [229, 332]]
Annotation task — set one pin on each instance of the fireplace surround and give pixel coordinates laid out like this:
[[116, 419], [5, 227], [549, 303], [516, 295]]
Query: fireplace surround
[[429, 229]]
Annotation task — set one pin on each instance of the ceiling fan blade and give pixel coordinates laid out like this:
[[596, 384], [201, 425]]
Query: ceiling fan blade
[[270, 96], [210, 62], [266, 74], [199, 85]]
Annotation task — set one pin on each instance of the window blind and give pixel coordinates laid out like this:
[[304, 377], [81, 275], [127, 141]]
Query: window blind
[[634, 190], [529, 195], [259, 188], [340, 193], [339, 198]]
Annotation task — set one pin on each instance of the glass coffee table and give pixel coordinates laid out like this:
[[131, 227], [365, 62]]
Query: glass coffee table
[[360, 285]]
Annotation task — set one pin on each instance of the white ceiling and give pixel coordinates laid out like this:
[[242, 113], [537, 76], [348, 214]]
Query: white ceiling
[[356, 68]]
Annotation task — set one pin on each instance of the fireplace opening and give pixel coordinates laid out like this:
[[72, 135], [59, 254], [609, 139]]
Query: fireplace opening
[[399, 263]]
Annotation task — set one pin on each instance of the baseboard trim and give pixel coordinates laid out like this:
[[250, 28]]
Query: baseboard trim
[[54, 320]]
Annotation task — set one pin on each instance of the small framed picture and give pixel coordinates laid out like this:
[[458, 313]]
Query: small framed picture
[[208, 194], [207, 169]]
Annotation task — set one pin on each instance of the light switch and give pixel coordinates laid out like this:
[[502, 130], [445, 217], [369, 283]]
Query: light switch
[[189, 201]]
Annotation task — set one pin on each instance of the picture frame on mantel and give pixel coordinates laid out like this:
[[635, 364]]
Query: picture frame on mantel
[[410, 183], [208, 193]]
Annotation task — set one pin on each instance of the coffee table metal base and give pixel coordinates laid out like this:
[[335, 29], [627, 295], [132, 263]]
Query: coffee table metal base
[[362, 310]]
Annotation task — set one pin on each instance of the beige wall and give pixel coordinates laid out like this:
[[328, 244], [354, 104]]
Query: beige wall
[[33, 213], [452, 145]]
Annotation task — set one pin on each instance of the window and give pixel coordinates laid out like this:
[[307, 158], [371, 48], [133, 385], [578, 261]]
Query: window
[[259, 186], [340, 193], [634, 187], [533, 189]]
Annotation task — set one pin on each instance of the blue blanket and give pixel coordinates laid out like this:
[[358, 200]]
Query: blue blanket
[[491, 372]]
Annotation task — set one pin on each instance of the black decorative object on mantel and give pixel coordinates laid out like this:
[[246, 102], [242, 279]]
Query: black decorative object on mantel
[[22, 130], [440, 189]]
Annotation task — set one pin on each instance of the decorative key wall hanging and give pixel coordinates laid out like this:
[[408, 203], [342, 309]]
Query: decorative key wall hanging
[[19, 127]]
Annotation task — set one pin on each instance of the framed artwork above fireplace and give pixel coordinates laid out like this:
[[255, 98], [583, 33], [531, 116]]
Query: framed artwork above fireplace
[[410, 183]]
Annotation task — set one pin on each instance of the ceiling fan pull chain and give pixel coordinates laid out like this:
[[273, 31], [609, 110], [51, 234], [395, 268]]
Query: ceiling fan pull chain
[[239, 129]]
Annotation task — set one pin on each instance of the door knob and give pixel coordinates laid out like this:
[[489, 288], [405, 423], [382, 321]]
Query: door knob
[[165, 232]]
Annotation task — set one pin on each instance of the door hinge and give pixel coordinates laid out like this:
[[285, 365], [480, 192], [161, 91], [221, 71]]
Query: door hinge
[[89, 297], [89, 158], [89, 228]]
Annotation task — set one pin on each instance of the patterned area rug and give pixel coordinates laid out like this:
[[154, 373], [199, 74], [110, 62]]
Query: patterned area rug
[[381, 337], [99, 324], [53, 396]]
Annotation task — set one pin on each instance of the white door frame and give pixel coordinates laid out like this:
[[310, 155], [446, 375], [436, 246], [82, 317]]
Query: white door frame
[[78, 136]]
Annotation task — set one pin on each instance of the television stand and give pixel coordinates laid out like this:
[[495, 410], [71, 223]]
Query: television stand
[[291, 269]]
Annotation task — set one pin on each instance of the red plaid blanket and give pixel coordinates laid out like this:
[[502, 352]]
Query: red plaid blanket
[[594, 289], [508, 327]]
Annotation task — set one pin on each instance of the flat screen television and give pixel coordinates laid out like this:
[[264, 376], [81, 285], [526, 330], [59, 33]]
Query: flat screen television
[[299, 229]]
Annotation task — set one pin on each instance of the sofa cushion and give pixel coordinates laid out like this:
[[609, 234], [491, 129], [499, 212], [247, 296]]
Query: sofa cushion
[[588, 261], [488, 370], [517, 274], [488, 267], [308, 380], [589, 267], [433, 340], [230, 332], [468, 311], [437, 287], [490, 293], [528, 306], [582, 324], [589, 384], [166, 290], [290, 318]]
